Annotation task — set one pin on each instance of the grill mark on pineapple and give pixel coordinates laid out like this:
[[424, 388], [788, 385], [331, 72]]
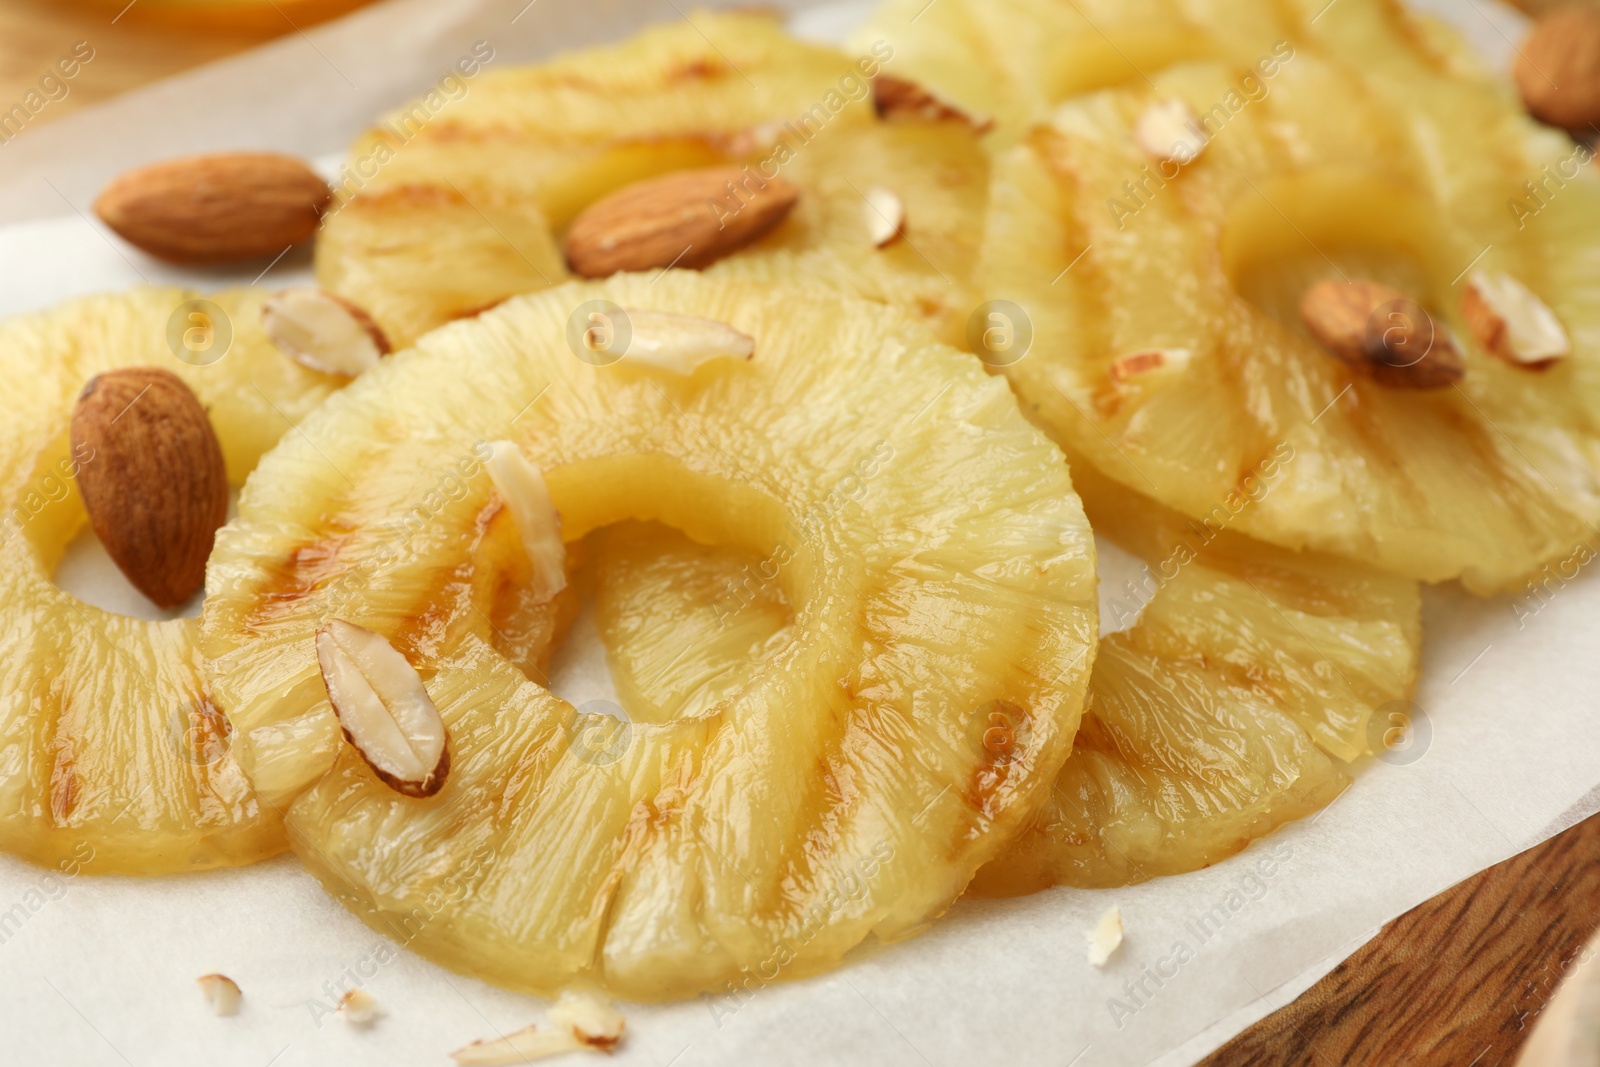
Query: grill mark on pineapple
[[306, 569], [701, 68], [65, 785], [407, 195], [992, 771]]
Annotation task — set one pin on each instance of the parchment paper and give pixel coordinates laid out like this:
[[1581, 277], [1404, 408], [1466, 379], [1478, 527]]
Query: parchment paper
[[101, 970]]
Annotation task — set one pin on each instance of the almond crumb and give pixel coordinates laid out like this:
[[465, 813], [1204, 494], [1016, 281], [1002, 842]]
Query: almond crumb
[[593, 1019], [581, 1020], [1169, 130], [359, 1008], [221, 992], [1105, 938]]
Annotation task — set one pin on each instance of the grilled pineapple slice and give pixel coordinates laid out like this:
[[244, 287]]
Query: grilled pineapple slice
[[1016, 60], [114, 752], [1486, 481], [934, 559], [462, 210], [1227, 710]]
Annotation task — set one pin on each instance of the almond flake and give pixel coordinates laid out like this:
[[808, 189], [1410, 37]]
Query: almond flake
[[1151, 362], [593, 1019], [524, 1046], [359, 1008], [1511, 322], [1106, 937], [221, 992], [384, 709], [681, 344], [894, 97], [521, 485], [886, 216], [324, 332], [1170, 130]]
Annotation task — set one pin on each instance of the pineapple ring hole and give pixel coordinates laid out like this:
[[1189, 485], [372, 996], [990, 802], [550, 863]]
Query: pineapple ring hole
[[595, 494], [53, 522], [1296, 231]]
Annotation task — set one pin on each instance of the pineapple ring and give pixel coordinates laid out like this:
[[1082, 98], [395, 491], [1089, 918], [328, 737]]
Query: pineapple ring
[[936, 558], [1257, 427], [1222, 714], [442, 218], [115, 757]]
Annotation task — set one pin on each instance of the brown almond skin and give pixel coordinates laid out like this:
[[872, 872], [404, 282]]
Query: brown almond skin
[[1345, 318], [690, 218], [155, 486], [1557, 69], [220, 208]]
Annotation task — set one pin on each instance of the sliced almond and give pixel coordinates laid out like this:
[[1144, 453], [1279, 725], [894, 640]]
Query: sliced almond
[[689, 219], [324, 332], [591, 1018], [1106, 937], [384, 709], [521, 485], [1149, 363], [1511, 322], [1382, 333], [216, 208], [1557, 69], [886, 216], [682, 344], [1170, 130], [359, 1008], [156, 489], [221, 992], [894, 97], [524, 1046]]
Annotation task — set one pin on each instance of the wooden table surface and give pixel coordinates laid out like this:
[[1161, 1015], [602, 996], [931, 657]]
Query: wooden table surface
[[1457, 981]]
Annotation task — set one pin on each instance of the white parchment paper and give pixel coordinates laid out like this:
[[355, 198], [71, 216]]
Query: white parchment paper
[[101, 970]]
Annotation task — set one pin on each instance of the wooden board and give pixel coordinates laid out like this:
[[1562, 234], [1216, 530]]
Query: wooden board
[[1457, 981]]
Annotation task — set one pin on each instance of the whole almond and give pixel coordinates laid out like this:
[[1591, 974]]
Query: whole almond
[[690, 218], [215, 208], [154, 486], [1558, 69], [1382, 333]]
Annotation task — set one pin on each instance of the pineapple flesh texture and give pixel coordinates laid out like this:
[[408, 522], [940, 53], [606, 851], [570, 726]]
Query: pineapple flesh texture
[[924, 536], [113, 752], [1226, 711], [468, 207], [1330, 174]]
